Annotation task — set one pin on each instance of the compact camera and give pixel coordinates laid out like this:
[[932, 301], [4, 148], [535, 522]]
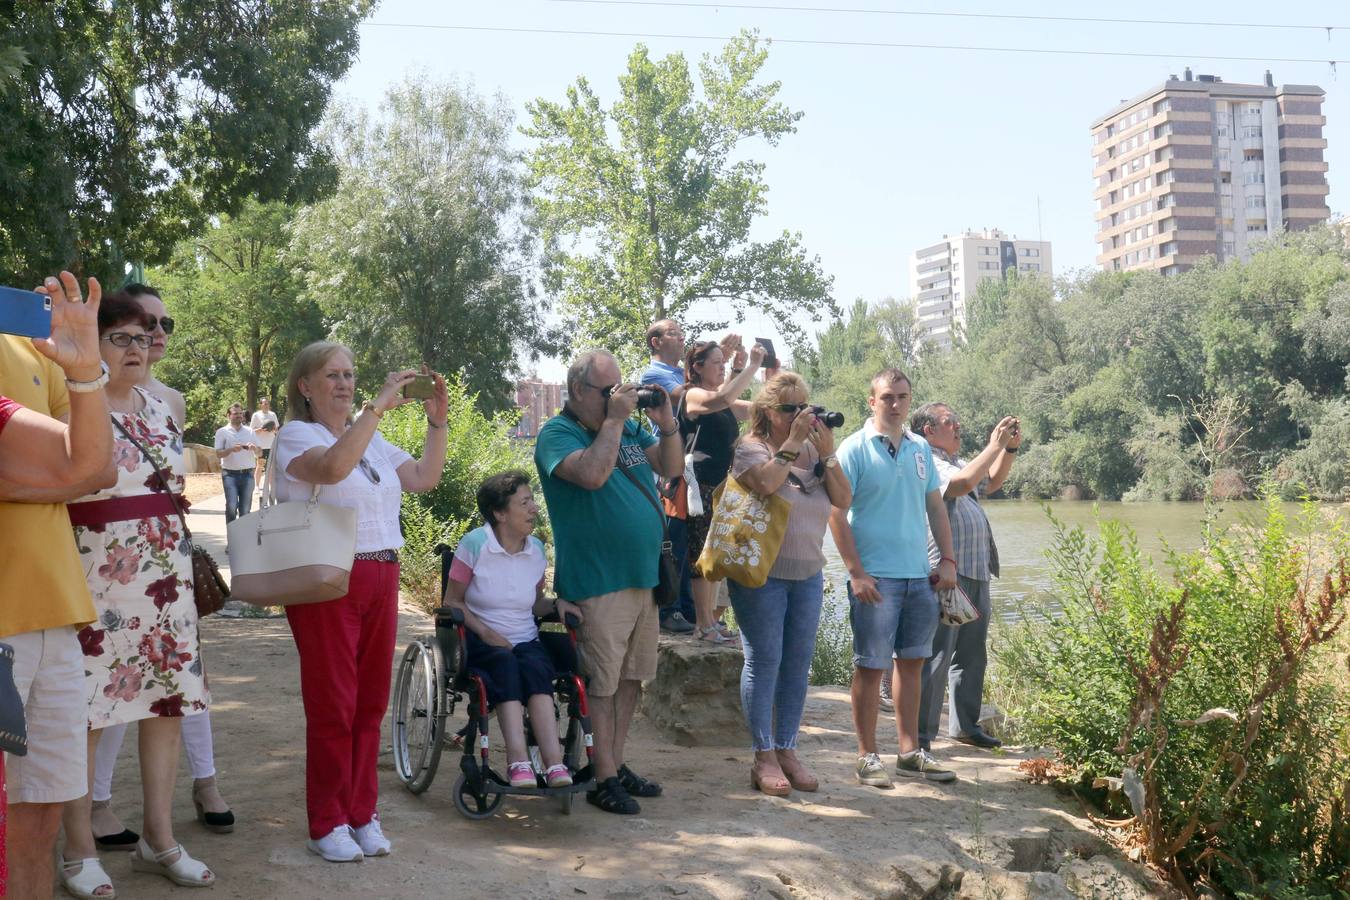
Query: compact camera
[[649, 399], [828, 419]]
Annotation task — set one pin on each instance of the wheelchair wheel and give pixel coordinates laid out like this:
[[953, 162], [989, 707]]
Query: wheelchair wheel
[[472, 806], [419, 715]]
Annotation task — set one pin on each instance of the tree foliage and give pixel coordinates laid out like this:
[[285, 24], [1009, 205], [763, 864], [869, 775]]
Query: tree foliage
[[425, 252], [647, 207], [128, 124], [1148, 387], [240, 314]]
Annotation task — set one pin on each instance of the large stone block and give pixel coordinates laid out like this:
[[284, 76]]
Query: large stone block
[[695, 698]]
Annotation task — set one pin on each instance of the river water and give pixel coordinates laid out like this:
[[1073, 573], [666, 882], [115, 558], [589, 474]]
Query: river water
[[1024, 532]]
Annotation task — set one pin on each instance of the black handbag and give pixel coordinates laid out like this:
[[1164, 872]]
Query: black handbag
[[667, 590], [13, 728]]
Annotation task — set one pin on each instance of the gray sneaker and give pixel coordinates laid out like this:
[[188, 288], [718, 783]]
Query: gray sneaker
[[676, 624], [871, 771], [921, 764], [887, 703]]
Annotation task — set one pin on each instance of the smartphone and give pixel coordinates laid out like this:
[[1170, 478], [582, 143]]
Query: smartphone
[[25, 313], [422, 387], [770, 358]]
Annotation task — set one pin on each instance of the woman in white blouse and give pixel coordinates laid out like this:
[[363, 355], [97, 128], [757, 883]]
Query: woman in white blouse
[[347, 645]]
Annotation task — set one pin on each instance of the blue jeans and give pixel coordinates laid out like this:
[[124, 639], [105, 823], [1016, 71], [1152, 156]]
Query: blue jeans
[[901, 626], [778, 625], [679, 542], [238, 492]]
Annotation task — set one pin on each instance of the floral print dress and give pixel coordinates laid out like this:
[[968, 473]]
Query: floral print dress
[[141, 656]]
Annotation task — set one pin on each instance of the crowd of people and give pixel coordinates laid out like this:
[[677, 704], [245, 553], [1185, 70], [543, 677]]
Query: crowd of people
[[99, 604]]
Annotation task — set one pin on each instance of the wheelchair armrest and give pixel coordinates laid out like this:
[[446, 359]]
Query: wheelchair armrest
[[571, 620], [452, 613]]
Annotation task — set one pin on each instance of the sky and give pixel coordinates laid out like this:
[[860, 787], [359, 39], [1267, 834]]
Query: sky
[[897, 146]]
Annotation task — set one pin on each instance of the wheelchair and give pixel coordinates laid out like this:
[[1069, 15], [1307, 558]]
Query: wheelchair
[[433, 680]]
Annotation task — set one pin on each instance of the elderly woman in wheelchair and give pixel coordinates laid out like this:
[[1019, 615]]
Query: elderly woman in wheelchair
[[489, 652], [497, 582]]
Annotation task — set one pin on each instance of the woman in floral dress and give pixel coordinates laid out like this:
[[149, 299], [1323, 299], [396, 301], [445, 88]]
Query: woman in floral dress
[[142, 658]]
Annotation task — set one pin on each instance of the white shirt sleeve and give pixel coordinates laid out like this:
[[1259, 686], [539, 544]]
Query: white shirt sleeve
[[293, 440], [397, 456]]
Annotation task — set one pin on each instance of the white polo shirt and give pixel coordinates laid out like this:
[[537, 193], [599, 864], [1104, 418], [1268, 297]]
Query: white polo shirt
[[239, 460], [502, 586]]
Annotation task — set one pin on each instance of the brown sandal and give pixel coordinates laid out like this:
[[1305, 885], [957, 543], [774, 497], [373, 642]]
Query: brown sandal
[[772, 785], [799, 776]]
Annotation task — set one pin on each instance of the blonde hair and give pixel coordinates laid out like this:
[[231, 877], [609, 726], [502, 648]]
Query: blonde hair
[[771, 396], [309, 360]]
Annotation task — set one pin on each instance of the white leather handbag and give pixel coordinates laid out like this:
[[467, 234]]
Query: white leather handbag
[[290, 553]]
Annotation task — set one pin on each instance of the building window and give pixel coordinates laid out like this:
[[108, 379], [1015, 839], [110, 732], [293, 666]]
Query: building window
[[1251, 131], [1168, 248], [1165, 177], [1257, 202], [1030, 251], [1164, 225], [1162, 106], [1162, 131]]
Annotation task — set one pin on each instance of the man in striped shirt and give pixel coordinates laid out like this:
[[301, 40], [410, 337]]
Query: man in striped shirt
[[959, 652]]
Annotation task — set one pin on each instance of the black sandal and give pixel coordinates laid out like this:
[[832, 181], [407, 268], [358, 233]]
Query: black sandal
[[636, 785], [611, 797], [124, 840]]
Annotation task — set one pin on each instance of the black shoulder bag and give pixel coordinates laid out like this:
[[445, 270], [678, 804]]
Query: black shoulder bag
[[13, 726], [667, 591]]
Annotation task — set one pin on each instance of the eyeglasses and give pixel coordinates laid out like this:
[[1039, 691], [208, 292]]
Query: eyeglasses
[[369, 471], [123, 339], [166, 324], [790, 407], [952, 421], [604, 391], [675, 334]]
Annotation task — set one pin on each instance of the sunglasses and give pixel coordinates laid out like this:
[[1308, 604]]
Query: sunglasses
[[166, 323], [604, 391], [123, 339], [790, 407], [369, 471]]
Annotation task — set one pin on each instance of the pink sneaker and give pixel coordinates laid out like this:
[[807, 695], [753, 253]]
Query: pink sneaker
[[521, 775], [558, 776]]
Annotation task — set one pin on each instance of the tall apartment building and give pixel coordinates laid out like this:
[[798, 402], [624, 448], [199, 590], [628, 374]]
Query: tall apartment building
[[942, 277], [1198, 167], [538, 402]]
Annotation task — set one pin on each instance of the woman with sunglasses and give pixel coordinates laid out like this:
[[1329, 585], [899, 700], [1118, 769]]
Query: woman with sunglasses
[[142, 658], [710, 417], [788, 452], [346, 645]]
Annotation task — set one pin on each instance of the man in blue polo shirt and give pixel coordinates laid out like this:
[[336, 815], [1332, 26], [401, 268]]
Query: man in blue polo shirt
[[883, 539], [607, 532]]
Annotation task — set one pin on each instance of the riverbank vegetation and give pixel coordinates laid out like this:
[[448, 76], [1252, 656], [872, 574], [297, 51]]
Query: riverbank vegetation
[[1136, 386], [1207, 711]]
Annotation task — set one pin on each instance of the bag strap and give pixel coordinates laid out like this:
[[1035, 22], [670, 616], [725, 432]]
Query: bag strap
[[665, 529], [163, 480]]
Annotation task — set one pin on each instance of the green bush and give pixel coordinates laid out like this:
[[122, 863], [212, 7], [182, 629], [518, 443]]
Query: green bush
[[479, 446], [832, 660], [1212, 695]]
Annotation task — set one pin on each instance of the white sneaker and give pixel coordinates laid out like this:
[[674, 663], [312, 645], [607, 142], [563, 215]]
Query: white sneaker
[[371, 838], [338, 846]]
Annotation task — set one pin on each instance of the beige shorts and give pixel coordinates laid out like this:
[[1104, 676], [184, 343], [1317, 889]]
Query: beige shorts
[[49, 673], [618, 637]]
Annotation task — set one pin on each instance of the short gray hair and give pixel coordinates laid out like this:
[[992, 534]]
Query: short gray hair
[[926, 415], [579, 372]]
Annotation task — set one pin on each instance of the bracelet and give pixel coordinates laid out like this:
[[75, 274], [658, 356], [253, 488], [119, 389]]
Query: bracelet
[[1009, 449], [946, 559], [674, 431], [370, 407], [431, 424], [788, 455]]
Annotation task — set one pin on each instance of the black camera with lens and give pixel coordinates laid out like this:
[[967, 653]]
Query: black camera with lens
[[647, 398], [828, 418]]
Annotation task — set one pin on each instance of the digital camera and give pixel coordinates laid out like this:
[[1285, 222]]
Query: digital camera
[[828, 418]]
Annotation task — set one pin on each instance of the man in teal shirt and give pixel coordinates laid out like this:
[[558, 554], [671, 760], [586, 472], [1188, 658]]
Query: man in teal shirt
[[607, 533]]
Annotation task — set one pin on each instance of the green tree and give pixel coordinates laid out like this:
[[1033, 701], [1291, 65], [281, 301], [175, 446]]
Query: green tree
[[425, 253], [240, 313], [128, 124], [647, 207]]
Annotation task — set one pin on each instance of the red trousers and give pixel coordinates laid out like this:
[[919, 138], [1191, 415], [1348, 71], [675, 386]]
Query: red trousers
[[346, 658]]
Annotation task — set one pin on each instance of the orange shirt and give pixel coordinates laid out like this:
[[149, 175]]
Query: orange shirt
[[42, 581]]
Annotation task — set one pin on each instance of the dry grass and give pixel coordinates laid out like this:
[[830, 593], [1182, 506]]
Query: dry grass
[[203, 486]]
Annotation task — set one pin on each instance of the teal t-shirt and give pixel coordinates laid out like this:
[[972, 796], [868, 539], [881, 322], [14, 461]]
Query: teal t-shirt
[[607, 539], [889, 516]]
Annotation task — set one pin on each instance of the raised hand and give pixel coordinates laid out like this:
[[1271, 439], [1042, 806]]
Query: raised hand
[[438, 405], [391, 393], [73, 344]]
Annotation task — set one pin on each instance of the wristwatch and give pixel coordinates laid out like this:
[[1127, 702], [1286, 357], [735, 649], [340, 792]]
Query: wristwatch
[[88, 387], [830, 461]]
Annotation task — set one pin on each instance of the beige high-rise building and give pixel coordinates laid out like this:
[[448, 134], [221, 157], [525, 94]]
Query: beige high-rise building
[[1199, 167], [944, 276]]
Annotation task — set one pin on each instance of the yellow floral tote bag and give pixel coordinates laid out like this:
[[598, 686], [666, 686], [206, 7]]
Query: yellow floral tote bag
[[744, 536]]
